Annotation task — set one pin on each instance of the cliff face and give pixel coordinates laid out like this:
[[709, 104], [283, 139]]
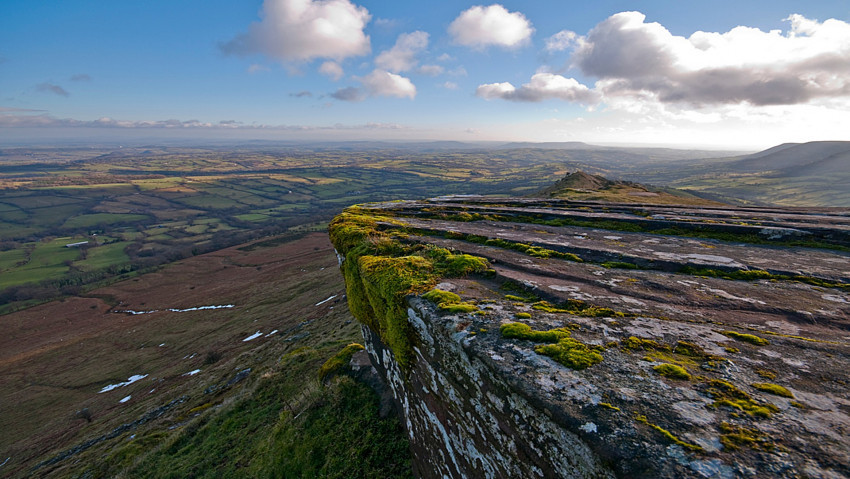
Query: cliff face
[[521, 340]]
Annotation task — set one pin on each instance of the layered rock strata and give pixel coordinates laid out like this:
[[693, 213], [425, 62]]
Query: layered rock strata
[[528, 338]]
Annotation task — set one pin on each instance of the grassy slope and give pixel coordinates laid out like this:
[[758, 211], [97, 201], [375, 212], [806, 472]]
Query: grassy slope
[[278, 422]]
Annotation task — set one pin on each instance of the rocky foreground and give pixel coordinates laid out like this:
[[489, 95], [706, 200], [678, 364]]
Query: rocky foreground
[[554, 338]]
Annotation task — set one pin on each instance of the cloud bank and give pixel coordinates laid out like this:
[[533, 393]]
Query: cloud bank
[[302, 30], [636, 60], [480, 27]]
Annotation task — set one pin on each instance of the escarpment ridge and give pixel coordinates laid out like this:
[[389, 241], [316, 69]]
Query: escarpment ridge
[[557, 338]]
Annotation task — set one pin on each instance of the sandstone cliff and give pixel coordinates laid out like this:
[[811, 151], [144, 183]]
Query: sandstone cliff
[[532, 338]]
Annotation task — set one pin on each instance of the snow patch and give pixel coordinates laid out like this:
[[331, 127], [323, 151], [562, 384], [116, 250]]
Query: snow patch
[[271, 333], [325, 301], [129, 381], [192, 373], [175, 310], [127, 398], [253, 336]]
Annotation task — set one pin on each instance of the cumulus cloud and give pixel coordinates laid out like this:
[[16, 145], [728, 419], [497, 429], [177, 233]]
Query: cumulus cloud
[[332, 70], [302, 30], [561, 41], [402, 56], [632, 57], [384, 83], [639, 62], [450, 85], [480, 27], [543, 86], [51, 88]]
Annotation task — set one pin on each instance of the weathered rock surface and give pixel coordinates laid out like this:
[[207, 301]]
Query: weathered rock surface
[[766, 356]]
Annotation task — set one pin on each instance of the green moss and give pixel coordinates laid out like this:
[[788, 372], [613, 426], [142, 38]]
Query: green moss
[[747, 338], [633, 343], [458, 307], [689, 349], [577, 308], [571, 353], [726, 394], [774, 389], [672, 371], [339, 360], [565, 350], [511, 297], [523, 315], [380, 271], [754, 274], [619, 264], [732, 350], [766, 373], [668, 434], [798, 405], [439, 296], [735, 437], [608, 406], [524, 331]]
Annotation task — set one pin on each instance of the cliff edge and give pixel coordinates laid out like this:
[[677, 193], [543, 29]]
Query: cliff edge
[[555, 338]]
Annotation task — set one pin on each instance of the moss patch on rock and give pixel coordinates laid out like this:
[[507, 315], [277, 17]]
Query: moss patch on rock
[[747, 338], [672, 371], [568, 351], [726, 394], [774, 389], [339, 360]]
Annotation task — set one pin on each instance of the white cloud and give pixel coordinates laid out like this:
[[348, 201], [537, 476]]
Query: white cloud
[[543, 86], [450, 85], [301, 30], [444, 57], [480, 27], [635, 58], [641, 64], [431, 70], [402, 56], [561, 41], [384, 83], [332, 70]]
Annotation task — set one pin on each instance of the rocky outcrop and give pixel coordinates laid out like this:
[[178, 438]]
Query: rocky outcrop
[[675, 342]]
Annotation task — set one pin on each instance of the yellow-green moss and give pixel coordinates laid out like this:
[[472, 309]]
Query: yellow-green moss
[[766, 373], [732, 350], [726, 394], [774, 389], [578, 308], [571, 353], [439, 296], [672, 371], [380, 271], [633, 342], [339, 360], [523, 315], [524, 331], [608, 406], [798, 405], [747, 338], [734, 437], [565, 350], [458, 307], [511, 297], [669, 435]]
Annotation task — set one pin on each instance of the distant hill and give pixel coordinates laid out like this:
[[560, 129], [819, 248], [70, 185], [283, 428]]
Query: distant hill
[[584, 186], [816, 173], [820, 156]]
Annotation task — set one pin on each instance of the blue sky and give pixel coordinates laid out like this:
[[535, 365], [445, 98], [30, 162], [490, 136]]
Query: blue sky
[[711, 74]]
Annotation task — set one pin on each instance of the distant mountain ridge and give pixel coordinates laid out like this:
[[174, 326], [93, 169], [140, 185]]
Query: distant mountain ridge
[[821, 156], [584, 186]]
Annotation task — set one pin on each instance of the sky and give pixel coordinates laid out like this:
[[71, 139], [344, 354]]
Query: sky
[[720, 74]]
